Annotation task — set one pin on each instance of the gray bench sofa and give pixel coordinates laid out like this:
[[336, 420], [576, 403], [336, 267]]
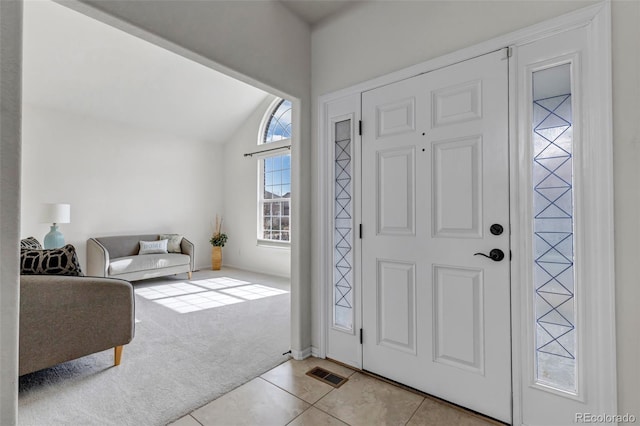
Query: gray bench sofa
[[117, 257], [64, 318]]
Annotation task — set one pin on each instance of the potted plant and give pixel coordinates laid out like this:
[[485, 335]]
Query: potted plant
[[218, 240]]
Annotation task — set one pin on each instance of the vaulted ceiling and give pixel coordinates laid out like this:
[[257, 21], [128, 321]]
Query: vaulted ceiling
[[76, 64]]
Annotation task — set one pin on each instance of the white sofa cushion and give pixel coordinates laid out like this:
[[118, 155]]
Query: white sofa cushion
[[144, 262]]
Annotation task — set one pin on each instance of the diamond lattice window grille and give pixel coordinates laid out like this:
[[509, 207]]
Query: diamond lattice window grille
[[553, 242], [343, 232]]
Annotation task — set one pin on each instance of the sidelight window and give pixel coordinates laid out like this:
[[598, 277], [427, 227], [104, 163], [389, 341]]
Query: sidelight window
[[343, 231], [553, 229]]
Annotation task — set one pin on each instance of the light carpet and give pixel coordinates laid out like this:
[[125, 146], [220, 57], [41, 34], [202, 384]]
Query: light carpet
[[194, 341]]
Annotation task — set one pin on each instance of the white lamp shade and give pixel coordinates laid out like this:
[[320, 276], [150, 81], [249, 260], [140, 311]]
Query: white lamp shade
[[56, 213]]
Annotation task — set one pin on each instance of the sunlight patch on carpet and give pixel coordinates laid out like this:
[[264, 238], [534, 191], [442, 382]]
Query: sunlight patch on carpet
[[167, 290], [253, 292], [209, 293], [220, 282]]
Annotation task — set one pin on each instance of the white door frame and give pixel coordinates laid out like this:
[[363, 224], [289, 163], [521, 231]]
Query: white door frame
[[598, 73]]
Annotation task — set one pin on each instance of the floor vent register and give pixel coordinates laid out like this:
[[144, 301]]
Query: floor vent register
[[327, 377]]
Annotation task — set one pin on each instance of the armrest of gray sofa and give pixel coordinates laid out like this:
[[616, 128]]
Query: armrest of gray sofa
[[97, 259], [64, 318], [188, 248]]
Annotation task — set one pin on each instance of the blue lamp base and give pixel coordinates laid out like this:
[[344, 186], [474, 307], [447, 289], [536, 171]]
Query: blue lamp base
[[54, 239]]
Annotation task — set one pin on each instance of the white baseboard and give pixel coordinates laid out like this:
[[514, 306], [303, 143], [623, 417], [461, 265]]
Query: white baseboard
[[300, 355], [317, 353], [256, 271]]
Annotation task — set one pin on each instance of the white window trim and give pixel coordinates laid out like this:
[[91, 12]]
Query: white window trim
[[342, 340], [594, 248]]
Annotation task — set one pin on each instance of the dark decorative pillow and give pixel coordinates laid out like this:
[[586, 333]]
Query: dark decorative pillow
[[30, 243], [60, 261]]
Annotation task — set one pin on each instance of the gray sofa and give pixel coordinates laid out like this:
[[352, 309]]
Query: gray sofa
[[117, 257], [64, 318]]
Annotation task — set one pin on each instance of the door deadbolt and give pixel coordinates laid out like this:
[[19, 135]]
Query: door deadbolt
[[496, 229]]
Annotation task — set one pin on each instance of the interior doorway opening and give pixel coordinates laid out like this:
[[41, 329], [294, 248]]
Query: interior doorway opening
[[121, 114]]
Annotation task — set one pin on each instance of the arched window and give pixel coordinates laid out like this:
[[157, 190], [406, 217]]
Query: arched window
[[279, 125], [274, 187]]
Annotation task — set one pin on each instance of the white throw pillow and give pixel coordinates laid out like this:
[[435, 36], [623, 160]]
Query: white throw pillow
[[153, 247]]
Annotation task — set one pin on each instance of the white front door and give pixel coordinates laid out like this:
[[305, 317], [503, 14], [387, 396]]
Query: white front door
[[435, 192]]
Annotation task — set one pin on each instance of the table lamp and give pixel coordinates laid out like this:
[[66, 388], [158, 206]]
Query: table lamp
[[55, 213]]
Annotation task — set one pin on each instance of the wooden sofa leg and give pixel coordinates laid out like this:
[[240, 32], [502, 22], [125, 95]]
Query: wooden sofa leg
[[189, 275], [117, 355]]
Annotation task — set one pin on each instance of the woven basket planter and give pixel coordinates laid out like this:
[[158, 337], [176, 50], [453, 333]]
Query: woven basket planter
[[216, 258]]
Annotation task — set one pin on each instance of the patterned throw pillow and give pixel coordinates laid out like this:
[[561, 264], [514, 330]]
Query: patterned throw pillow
[[173, 246], [153, 247], [30, 243], [60, 261]]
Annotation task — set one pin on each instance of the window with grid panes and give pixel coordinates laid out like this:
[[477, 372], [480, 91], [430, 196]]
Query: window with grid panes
[[275, 178]]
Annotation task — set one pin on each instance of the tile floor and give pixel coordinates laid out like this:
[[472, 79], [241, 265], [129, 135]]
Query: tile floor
[[287, 396]]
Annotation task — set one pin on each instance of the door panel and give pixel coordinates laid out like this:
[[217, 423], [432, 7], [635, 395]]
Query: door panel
[[458, 313], [396, 183], [396, 117], [457, 187], [396, 305], [457, 103], [434, 179]]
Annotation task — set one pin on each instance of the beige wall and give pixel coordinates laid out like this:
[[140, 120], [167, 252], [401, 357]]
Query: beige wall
[[626, 152], [380, 37]]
